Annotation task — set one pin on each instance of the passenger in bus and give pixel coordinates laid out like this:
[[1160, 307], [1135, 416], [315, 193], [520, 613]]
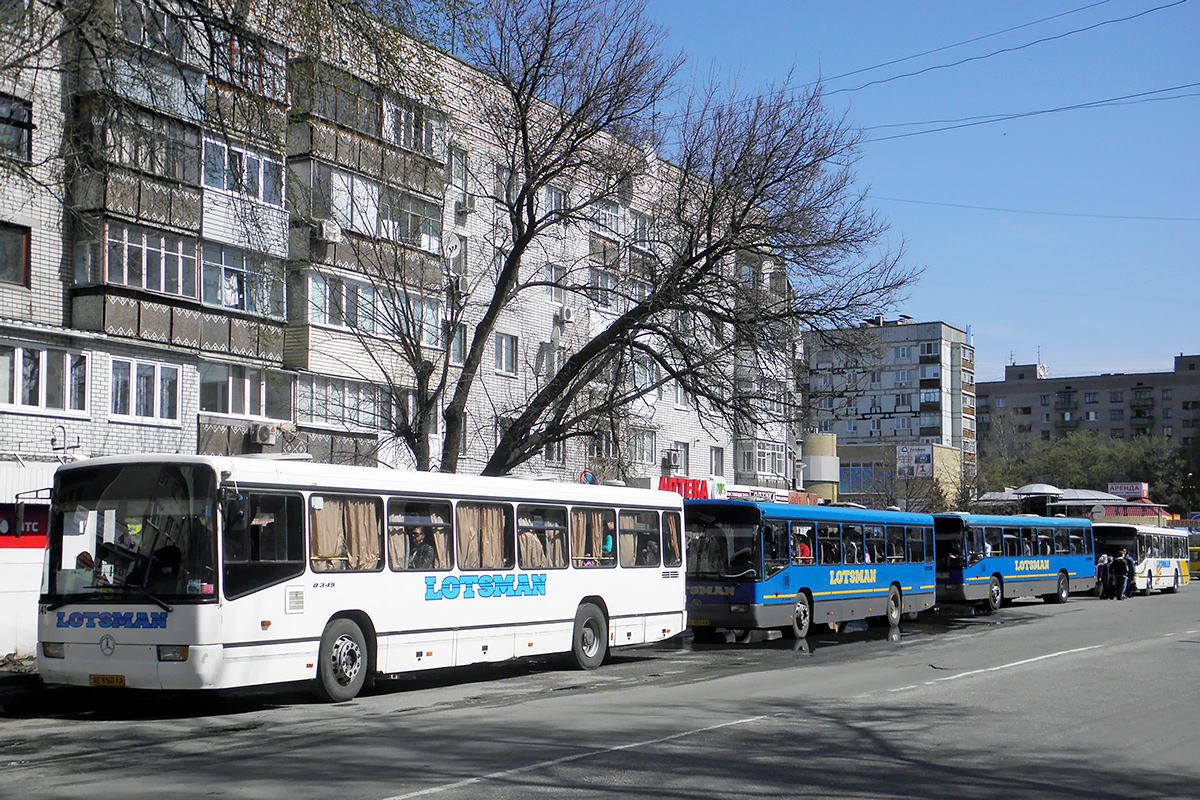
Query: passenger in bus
[[851, 553], [421, 555], [803, 552], [648, 553]]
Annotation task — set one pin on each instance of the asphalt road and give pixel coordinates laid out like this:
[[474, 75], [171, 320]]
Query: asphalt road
[[1094, 699]]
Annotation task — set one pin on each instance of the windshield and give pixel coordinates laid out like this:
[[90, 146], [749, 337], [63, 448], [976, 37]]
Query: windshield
[[723, 542], [133, 529]]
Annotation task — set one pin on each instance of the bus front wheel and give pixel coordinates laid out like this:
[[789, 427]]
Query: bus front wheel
[[995, 595], [589, 643], [342, 664], [802, 616]]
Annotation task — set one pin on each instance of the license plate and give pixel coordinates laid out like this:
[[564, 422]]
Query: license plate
[[106, 680], [698, 622]]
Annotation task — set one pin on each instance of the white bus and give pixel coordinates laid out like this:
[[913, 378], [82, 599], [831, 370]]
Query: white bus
[[193, 572], [1160, 555]]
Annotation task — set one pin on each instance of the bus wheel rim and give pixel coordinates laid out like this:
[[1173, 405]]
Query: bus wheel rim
[[347, 660]]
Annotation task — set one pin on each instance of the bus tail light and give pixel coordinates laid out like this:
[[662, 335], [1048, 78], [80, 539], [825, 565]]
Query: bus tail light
[[54, 649], [173, 652], [739, 609]]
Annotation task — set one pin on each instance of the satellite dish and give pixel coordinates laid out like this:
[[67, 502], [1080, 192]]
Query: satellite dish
[[452, 246]]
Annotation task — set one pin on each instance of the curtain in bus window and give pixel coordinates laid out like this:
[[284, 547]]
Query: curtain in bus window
[[439, 517], [363, 535], [672, 553], [470, 521], [592, 536], [494, 535], [328, 545], [397, 539], [531, 552]]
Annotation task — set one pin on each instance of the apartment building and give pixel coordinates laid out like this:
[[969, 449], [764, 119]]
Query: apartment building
[[900, 397], [203, 272], [1029, 405]]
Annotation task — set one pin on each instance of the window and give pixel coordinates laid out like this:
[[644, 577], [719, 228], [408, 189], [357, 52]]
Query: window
[[554, 453], [606, 217], [343, 404], [144, 390], [930, 396], [603, 272], [334, 301], [641, 445], [412, 126], [250, 63], [506, 185], [14, 14], [639, 539], [771, 458], [556, 200], [158, 145], [1166, 394], [458, 344], [506, 353], [930, 348], [903, 377], [246, 281], [999, 402], [49, 379], [419, 536], [1091, 397], [263, 543], [554, 277], [600, 445], [1116, 397], [1166, 413], [901, 353], [16, 127], [593, 542], [1090, 416], [683, 398], [904, 423], [409, 219], [641, 229], [244, 391], [1116, 415], [456, 168], [541, 537], [929, 371], [682, 448], [346, 534], [244, 172], [716, 460], [147, 259], [645, 373], [150, 26], [1044, 400], [14, 254], [1143, 394]]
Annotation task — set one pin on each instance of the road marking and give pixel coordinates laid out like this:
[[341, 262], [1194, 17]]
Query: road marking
[[576, 757], [994, 669]]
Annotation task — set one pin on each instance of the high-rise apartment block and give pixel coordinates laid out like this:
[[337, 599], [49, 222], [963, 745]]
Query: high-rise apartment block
[[1030, 406]]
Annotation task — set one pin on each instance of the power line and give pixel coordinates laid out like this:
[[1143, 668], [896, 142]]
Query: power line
[[1038, 213], [1007, 49], [1112, 101]]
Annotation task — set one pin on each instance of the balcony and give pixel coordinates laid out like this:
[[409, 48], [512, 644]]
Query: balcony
[[1142, 402], [1142, 422], [1066, 424], [1066, 405]]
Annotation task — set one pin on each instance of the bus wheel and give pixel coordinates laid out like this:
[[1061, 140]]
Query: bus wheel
[[802, 616], [1149, 582], [342, 664], [1174, 587], [995, 595], [589, 643], [1062, 592], [894, 607]]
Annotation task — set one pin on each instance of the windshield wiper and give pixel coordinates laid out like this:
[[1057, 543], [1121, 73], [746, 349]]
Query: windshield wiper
[[152, 598], [73, 598]]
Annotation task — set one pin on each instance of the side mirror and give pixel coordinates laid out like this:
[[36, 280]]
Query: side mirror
[[237, 508]]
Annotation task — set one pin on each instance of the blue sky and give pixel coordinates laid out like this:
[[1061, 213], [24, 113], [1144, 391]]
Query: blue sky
[[1076, 233]]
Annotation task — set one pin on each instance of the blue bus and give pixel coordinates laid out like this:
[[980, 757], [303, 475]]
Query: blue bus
[[775, 565], [989, 560]]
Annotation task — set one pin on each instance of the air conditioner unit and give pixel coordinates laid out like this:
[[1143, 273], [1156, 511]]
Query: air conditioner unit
[[564, 315], [460, 285], [466, 205], [328, 231], [673, 458], [263, 434]]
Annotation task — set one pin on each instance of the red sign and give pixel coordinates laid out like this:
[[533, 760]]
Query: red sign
[[33, 527], [690, 488]]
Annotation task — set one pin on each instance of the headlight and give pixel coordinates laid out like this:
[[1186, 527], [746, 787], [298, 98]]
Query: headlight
[[54, 649], [173, 652], [739, 609]]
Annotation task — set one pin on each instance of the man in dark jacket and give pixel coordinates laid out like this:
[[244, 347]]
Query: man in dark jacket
[[1130, 574], [1118, 573]]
